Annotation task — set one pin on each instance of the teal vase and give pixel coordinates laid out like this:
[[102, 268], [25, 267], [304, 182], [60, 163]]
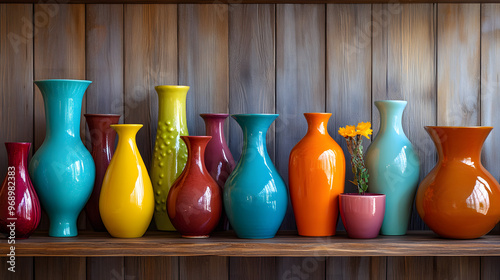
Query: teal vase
[[394, 167], [255, 196], [62, 169]]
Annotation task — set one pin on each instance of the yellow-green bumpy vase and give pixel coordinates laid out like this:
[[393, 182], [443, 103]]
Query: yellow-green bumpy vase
[[170, 153], [126, 202]]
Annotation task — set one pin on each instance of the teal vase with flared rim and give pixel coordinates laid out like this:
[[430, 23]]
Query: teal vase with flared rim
[[255, 195], [394, 167], [62, 169]]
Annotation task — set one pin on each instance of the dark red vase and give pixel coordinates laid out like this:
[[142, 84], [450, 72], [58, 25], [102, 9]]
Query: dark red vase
[[102, 138], [19, 206], [194, 202], [218, 158]]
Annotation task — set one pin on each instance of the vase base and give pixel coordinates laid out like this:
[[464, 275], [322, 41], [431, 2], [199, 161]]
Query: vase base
[[195, 236]]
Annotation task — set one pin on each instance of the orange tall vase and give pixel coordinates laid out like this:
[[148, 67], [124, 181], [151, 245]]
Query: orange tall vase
[[459, 198], [316, 177]]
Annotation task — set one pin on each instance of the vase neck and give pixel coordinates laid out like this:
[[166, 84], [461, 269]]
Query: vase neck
[[459, 143], [126, 135], [214, 126], [17, 154], [101, 133], [317, 123], [196, 152], [255, 128], [172, 105], [391, 114]]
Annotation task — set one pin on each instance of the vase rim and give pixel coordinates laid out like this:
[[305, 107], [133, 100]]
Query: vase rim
[[363, 195], [392, 101], [458, 127], [22, 143], [101, 115], [126, 125], [172, 86], [254, 115], [222, 115], [196, 136], [63, 80], [317, 113]]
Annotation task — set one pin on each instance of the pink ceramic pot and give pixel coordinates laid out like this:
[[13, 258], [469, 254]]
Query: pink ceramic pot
[[362, 215]]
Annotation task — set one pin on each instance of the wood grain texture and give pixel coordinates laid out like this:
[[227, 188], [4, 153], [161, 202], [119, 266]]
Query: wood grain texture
[[348, 72], [251, 68], [356, 268], [490, 268], [252, 1], [60, 268], [59, 53], [150, 59], [301, 268], [490, 86], [160, 268], [203, 61], [461, 268], [262, 268], [209, 267], [458, 64], [105, 268], [404, 68], [23, 268], [300, 79], [16, 76], [410, 268]]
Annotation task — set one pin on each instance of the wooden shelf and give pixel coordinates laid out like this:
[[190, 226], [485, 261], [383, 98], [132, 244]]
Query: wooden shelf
[[250, 1], [227, 244]]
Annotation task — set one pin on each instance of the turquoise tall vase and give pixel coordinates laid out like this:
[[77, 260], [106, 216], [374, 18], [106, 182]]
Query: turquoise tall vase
[[62, 169], [255, 196], [394, 167]]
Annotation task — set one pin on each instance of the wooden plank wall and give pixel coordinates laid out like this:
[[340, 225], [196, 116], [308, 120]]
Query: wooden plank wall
[[255, 58]]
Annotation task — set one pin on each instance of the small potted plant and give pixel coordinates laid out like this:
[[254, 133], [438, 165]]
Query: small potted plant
[[362, 213]]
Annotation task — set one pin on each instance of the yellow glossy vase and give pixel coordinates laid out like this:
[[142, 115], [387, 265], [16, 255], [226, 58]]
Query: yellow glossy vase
[[126, 202], [170, 152]]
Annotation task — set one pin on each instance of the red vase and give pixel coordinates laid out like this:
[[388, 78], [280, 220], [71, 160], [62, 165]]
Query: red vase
[[103, 146], [218, 158], [194, 202], [19, 206]]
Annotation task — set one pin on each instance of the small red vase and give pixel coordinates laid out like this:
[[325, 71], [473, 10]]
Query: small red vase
[[19, 206], [194, 202], [102, 138], [218, 158], [362, 214]]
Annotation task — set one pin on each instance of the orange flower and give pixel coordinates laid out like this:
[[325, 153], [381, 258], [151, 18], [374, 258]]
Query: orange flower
[[364, 129]]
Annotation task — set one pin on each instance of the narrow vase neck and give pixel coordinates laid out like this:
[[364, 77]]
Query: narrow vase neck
[[214, 126], [317, 123], [17, 154], [196, 152], [254, 133], [172, 105], [391, 114], [126, 136], [101, 133]]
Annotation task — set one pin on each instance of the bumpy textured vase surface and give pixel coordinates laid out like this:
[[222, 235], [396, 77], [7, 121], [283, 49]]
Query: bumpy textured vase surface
[[194, 202], [19, 206], [218, 158], [126, 203], [362, 215], [394, 167], [62, 169], [170, 153], [103, 146], [255, 196], [459, 198], [316, 173]]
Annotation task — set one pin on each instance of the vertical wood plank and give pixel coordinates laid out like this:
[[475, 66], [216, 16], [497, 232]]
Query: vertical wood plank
[[150, 59], [158, 268], [251, 68], [356, 268], [300, 78], [203, 61], [458, 59], [490, 268], [411, 268], [262, 268], [348, 71], [301, 268], [206, 268], [23, 268], [460, 268], [104, 58], [59, 53], [490, 85], [105, 268], [404, 67], [63, 268]]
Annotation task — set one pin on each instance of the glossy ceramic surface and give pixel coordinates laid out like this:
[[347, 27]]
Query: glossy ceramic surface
[[316, 174], [24, 210], [362, 215], [459, 198], [126, 203], [170, 152], [194, 202], [255, 196], [62, 170], [218, 158], [103, 146], [394, 167]]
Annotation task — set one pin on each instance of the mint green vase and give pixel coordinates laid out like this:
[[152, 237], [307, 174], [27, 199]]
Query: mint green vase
[[394, 167]]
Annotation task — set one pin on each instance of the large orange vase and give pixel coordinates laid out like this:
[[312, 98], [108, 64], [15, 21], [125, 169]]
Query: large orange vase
[[316, 173], [459, 198]]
